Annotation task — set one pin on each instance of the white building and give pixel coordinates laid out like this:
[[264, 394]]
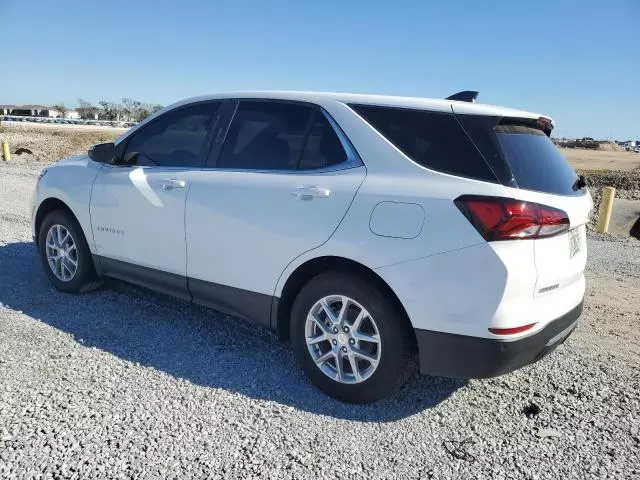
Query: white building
[[6, 109], [37, 111]]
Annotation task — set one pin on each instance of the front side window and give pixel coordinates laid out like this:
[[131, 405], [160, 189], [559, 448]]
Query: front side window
[[176, 139], [279, 136]]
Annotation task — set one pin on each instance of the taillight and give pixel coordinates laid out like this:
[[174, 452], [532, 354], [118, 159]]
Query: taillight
[[498, 218]]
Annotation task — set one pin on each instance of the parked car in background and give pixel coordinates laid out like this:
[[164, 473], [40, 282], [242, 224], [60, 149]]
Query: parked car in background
[[365, 230]]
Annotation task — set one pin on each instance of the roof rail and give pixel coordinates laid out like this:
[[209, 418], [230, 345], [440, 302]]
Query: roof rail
[[464, 96]]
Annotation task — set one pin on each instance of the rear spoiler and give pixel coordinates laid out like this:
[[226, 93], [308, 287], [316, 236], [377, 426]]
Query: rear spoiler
[[464, 96], [543, 123]]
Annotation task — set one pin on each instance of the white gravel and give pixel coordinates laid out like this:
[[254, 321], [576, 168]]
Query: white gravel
[[122, 383]]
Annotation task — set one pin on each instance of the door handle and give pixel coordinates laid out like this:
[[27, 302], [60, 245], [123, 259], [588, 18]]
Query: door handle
[[172, 183], [309, 192]]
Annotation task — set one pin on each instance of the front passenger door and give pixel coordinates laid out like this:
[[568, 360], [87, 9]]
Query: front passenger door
[[138, 205]]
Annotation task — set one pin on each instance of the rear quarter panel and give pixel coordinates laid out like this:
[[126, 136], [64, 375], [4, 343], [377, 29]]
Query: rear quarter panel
[[392, 177]]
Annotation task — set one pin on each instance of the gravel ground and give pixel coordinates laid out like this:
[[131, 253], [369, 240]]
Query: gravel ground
[[122, 383], [34, 143], [627, 185]]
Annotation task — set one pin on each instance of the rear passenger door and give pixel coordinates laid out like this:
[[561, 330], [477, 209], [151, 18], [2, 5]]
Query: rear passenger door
[[278, 186]]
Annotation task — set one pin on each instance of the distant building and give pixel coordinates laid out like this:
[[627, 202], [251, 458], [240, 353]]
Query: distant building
[[6, 109], [37, 111], [88, 113], [33, 111], [49, 112]]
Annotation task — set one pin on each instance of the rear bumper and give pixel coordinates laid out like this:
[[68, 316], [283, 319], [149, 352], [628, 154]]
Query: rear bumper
[[461, 356]]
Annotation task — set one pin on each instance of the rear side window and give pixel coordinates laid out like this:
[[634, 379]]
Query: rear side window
[[432, 139], [322, 147], [280, 136], [535, 162]]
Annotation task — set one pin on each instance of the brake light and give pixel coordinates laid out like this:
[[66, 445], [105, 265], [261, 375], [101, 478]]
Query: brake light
[[498, 218]]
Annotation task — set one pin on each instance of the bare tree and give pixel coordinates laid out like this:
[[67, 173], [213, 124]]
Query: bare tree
[[131, 109], [107, 109], [86, 110], [61, 108], [146, 109], [142, 113], [118, 111], [83, 103]]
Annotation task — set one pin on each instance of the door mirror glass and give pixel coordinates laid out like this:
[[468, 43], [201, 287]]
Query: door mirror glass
[[102, 153]]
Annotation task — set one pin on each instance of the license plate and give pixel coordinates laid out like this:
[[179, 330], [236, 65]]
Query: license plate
[[575, 242]]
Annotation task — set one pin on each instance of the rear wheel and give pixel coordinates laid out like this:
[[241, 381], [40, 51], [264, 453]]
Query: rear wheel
[[65, 254], [350, 339]]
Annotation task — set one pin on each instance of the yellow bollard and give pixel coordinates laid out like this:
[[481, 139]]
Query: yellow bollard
[[5, 150], [608, 194]]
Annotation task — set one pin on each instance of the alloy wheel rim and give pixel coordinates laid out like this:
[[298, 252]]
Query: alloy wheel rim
[[343, 339], [62, 254]]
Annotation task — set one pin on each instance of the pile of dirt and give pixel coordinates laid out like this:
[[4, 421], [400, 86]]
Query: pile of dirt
[[50, 145], [611, 147], [627, 185]]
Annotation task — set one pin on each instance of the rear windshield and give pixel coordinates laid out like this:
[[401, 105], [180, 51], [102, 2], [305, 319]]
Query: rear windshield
[[534, 161]]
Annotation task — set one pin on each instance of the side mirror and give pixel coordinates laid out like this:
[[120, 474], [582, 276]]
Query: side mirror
[[102, 152]]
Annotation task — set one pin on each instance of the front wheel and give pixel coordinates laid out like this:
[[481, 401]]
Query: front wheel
[[350, 339], [65, 254]]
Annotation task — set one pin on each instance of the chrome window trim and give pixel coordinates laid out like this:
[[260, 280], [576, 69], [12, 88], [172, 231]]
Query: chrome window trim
[[334, 168]]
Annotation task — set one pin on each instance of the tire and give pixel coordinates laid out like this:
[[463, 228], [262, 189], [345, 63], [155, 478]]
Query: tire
[[396, 345], [84, 277]]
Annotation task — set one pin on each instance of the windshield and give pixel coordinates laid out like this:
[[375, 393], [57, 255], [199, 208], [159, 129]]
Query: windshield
[[535, 162]]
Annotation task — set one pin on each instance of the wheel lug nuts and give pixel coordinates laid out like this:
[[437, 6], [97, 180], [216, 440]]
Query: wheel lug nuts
[[335, 329], [352, 341], [345, 329], [335, 342], [344, 349]]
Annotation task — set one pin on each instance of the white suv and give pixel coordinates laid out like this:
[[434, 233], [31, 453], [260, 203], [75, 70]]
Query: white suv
[[364, 229]]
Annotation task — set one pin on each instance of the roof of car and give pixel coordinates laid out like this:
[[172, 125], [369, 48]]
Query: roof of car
[[382, 100], [326, 98]]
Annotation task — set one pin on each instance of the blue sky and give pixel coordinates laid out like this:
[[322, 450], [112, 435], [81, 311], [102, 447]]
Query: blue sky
[[576, 60]]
